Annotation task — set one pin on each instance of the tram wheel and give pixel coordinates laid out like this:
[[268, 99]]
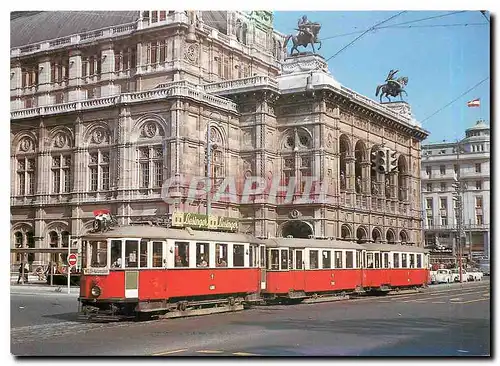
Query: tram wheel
[[183, 306], [231, 301]]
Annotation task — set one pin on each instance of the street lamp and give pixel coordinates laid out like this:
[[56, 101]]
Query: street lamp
[[458, 188]]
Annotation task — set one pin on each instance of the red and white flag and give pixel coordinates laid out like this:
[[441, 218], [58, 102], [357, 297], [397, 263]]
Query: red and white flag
[[474, 103]]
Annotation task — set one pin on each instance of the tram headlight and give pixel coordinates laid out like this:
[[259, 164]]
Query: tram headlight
[[95, 291]]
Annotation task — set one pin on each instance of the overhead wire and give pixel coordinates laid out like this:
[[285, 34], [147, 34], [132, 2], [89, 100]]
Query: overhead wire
[[454, 100], [365, 32]]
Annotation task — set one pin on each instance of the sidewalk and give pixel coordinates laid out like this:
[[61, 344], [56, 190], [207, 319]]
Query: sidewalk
[[42, 288]]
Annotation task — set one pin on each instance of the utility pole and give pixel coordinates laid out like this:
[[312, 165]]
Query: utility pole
[[209, 178], [457, 197]]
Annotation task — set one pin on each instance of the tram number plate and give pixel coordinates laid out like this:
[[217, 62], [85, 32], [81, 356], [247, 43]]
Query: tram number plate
[[96, 271]]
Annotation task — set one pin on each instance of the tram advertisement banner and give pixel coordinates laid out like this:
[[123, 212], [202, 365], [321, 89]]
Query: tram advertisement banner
[[200, 221]]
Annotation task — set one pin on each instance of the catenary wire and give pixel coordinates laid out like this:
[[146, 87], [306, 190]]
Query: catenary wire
[[454, 100], [365, 32]]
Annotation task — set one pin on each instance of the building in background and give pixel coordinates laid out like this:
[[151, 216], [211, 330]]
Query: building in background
[[105, 106], [440, 164]]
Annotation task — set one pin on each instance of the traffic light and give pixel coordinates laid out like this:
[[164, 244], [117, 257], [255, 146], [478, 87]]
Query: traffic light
[[381, 162], [393, 161]]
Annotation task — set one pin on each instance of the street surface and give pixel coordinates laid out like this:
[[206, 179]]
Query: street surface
[[444, 320]]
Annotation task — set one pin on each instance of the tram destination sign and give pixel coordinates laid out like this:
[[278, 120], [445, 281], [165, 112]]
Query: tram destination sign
[[200, 221]]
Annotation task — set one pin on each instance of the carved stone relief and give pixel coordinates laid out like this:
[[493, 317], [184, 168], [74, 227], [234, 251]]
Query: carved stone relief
[[26, 144], [60, 140]]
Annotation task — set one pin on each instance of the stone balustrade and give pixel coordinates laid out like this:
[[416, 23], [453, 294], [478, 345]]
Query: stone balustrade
[[253, 81], [137, 97]]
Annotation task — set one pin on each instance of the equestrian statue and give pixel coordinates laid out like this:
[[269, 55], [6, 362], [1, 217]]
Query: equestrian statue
[[392, 87], [308, 34]]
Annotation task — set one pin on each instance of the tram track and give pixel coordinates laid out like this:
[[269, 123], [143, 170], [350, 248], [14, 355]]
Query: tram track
[[35, 333]]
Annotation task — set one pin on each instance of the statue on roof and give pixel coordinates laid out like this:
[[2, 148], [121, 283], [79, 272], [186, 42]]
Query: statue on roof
[[392, 87], [307, 34]]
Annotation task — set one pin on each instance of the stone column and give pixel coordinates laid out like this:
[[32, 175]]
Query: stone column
[[108, 71], [350, 173], [44, 86], [16, 87], [79, 174], [75, 92], [365, 174]]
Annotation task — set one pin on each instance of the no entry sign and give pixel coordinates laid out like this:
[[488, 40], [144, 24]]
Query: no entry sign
[[72, 259]]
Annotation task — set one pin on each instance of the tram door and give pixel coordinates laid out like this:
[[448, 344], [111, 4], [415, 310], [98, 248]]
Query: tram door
[[297, 259], [262, 261], [131, 268]]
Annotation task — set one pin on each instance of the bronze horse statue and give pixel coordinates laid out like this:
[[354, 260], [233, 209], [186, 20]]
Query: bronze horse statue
[[392, 88], [304, 39]]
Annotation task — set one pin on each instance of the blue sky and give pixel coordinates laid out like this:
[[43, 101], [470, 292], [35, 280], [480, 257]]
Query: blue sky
[[440, 62]]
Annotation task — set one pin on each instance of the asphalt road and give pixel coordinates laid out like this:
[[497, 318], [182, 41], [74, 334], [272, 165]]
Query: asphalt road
[[442, 321]]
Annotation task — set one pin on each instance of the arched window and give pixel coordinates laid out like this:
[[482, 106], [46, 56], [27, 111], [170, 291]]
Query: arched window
[[53, 239], [389, 236], [297, 160], [18, 242]]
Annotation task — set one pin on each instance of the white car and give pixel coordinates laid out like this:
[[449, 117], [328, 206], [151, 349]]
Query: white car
[[443, 276], [466, 276]]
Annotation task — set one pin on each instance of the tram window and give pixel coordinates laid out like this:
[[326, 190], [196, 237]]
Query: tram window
[[252, 258], [386, 260], [238, 255], [327, 259], [349, 260], [131, 253], [284, 259], [369, 260], [419, 260], [313, 259], [157, 254], [275, 259], [263, 257], [98, 254], [298, 259], [339, 263], [202, 254], [116, 253], [358, 259], [290, 258], [412, 260], [377, 260], [403, 261], [395, 260], [143, 252], [221, 255], [181, 254]]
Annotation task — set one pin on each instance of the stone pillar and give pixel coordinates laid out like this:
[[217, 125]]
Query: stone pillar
[[75, 91], [365, 180], [108, 72], [350, 173], [44, 86], [80, 169]]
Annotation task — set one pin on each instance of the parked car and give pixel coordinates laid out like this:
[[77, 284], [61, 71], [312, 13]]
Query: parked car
[[444, 276], [466, 276]]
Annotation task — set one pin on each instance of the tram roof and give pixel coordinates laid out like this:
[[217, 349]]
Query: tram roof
[[394, 248], [311, 243], [162, 233]]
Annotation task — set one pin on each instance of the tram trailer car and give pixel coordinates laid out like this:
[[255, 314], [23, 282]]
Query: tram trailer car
[[394, 266], [298, 269], [139, 271], [302, 268]]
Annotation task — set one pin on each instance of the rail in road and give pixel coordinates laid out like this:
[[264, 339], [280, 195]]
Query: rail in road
[[181, 337]]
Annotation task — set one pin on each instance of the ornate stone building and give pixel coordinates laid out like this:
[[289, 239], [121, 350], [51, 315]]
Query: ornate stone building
[[108, 106]]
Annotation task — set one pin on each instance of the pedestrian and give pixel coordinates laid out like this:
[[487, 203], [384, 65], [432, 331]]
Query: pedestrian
[[26, 270], [20, 273]]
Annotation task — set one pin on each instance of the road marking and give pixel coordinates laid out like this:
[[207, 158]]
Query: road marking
[[443, 295], [439, 302], [209, 351], [245, 354], [466, 302], [169, 352], [486, 294], [456, 299]]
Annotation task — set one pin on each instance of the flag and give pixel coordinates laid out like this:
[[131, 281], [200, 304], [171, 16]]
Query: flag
[[474, 103]]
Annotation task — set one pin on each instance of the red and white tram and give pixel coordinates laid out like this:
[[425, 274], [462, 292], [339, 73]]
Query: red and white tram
[[394, 266], [131, 270], [301, 268], [152, 270]]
